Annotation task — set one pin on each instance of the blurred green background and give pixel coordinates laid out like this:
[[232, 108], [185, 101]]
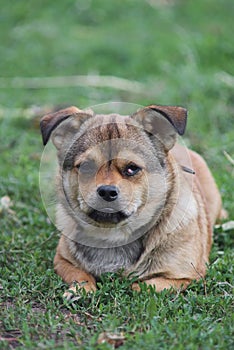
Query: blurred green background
[[83, 53], [176, 48]]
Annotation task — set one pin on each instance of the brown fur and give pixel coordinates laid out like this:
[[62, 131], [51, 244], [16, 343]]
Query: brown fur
[[175, 209]]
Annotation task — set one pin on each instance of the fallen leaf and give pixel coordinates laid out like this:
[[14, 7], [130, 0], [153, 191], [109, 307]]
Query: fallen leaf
[[116, 340], [5, 203], [227, 226]]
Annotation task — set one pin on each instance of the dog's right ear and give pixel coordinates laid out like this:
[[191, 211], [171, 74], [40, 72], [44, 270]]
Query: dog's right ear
[[165, 122], [50, 124]]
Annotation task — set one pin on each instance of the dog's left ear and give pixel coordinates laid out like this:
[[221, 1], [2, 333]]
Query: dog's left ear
[[53, 124], [165, 122], [50, 121]]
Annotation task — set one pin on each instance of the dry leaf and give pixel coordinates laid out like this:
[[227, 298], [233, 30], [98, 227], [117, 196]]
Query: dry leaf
[[227, 226], [115, 340], [5, 204]]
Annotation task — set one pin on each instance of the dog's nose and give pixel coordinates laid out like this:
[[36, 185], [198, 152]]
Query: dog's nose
[[108, 193]]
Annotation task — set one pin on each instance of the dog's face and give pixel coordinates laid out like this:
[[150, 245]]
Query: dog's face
[[113, 169]]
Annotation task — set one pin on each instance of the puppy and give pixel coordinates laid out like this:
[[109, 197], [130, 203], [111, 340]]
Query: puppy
[[130, 198]]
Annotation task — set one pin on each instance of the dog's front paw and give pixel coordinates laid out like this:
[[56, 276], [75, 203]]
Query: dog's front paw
[[135, 286], [74, 291]]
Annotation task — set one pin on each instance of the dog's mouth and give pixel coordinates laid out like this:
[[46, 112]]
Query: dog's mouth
[[107, 215]]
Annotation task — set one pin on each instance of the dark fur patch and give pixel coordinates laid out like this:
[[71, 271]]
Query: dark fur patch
[[109, 259], [90, 138], [109, 130]]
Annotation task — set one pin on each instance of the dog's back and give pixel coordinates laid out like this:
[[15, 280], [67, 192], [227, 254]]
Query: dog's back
[[204, 180]]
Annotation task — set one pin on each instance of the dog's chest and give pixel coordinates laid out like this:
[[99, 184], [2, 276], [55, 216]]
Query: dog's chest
[[100, 260]]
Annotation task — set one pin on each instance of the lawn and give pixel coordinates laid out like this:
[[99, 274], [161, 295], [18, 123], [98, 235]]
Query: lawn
[[166, 52]]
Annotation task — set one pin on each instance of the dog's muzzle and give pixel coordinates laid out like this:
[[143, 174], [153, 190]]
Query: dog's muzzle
[[108, 208], [107, 215], [108, 193]]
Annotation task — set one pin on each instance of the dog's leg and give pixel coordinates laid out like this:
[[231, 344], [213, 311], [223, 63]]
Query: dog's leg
[[71, 274], [161, 283]]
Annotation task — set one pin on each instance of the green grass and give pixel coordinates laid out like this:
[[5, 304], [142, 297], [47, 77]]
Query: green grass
[[179, 52]]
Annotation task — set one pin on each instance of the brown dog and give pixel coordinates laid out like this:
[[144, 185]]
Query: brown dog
[[127, 198]]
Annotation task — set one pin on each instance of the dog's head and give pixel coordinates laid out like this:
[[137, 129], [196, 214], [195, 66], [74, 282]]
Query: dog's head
[[113, 168]]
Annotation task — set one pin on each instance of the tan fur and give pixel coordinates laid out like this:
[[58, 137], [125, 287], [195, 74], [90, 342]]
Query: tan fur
[[69, 272], [175, 249], [206, 181]]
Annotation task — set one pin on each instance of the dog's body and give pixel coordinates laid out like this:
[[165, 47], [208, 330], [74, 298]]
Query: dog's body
[[126, 199]]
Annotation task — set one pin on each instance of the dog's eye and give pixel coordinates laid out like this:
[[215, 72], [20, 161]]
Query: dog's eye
[[131, 170], [88, 167]]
